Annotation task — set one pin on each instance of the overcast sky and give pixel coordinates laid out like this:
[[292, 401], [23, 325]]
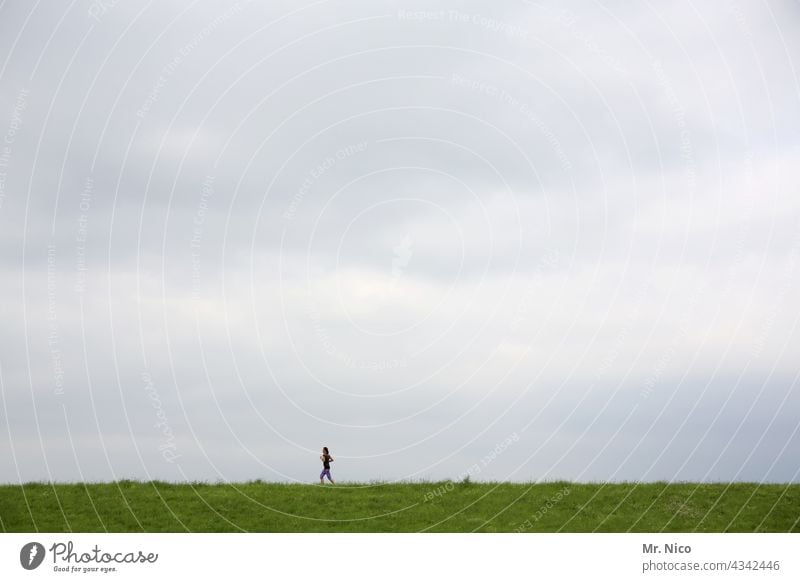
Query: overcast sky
[[522, 242]]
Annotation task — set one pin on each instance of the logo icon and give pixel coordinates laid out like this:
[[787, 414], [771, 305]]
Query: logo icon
[[31, 555]]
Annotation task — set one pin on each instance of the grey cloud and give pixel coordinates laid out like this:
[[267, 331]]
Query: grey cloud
[[405, 233]]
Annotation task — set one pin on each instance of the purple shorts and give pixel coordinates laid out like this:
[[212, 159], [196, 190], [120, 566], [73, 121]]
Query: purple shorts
[[325, 473]]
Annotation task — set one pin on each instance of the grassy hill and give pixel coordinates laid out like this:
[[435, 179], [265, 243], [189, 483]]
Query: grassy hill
[[130, 506]]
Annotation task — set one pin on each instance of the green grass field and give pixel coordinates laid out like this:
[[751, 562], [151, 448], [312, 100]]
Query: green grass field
[[130, 506]]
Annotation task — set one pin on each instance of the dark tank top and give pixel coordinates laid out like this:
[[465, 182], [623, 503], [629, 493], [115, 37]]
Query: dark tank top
[[326, 461]]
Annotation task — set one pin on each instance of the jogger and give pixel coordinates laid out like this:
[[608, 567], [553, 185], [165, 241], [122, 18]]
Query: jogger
[[326, 459]]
